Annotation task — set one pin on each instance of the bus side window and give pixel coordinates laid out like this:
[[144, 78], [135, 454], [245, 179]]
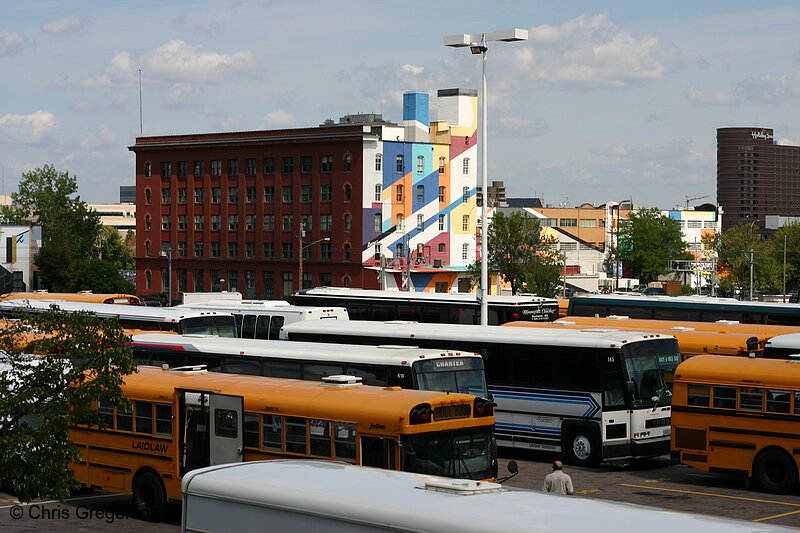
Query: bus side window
[[144, 417], [751, 399], [249, 327], [319, 436], [369, 374], [262, 327], [724, 397], [344, 441], [164, 419], [272, 432], [698, 395], [250, 422], [275, 327], [778, 401], [797, 402], [106, 410], [313, 372], [282, 369], [241, 365], [238, 319], [295, 434]]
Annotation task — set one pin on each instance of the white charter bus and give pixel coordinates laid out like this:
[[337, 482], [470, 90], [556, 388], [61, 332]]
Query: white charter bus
[[263, 319], [305, 495], [593, 395], [386, 366], [460, 308], [136, 317]]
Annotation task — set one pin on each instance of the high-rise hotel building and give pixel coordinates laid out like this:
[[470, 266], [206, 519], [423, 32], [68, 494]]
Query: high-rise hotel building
[[266, 212], [755, 176]]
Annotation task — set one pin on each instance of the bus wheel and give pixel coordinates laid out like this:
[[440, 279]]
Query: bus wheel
[[581, 448], [148, 498], [774, 472]]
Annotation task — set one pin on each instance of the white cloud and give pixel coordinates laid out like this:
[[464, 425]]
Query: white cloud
[[10, 43], [28, 129], [769, 88], [63, 25], [98, 139], [180, 95], [279, 119], [591, 50], [175, 61], [412, 69], [82, 106], [785, 141], [701, 97]]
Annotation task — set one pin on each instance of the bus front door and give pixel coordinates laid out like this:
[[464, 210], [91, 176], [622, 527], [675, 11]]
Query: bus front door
[[211, 429], [225, 436]]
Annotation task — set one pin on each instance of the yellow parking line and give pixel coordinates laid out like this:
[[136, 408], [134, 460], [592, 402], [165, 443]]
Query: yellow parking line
[[775, 516], [712, 494]]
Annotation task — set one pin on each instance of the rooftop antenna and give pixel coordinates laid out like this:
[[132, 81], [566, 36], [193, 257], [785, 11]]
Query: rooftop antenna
[[141, 129]]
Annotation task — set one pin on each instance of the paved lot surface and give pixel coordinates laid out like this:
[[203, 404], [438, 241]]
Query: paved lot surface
[[654, 482], [658, 483]]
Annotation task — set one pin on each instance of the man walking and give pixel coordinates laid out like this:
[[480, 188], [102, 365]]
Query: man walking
[[557, 481]]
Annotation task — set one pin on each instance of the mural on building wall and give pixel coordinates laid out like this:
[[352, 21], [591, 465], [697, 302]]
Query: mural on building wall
[[426, 214]]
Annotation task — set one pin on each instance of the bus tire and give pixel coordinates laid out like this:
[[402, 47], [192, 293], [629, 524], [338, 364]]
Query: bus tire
[[148, 497], [581, 448], [774, 471]]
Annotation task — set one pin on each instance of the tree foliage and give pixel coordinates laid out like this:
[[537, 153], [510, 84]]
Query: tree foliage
[[71, 232], [519, 253], [733, 248], [101, 276], [648, 241], [41, 396]]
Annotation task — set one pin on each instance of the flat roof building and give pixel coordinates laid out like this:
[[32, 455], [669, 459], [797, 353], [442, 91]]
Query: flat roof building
[[755, 176]]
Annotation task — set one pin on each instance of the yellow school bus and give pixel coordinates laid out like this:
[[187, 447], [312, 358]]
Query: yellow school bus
[[184, 419], [690, 342], [86, 297], [720, 326], [737, 415]]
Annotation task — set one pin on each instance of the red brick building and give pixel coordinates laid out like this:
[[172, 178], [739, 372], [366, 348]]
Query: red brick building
[[231, 206]]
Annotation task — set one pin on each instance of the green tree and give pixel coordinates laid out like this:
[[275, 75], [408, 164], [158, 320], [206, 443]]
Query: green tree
[[42, 396], [101, 276], [516, 248], [648, 241], [787, 239], [543, 276], [733, 247], [48, 198], [114, 249]]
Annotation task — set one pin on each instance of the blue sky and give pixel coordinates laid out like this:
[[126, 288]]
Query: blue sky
[[606, 101]]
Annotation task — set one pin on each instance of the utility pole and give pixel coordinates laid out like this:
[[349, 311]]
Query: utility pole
[[751, 274]]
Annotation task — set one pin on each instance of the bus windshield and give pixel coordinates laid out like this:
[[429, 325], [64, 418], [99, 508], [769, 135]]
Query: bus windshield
[[452, 375], [464, 454], [221, 326], [651, 368]]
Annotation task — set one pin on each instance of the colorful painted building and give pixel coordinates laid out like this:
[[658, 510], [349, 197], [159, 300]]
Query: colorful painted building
[[360, 203]]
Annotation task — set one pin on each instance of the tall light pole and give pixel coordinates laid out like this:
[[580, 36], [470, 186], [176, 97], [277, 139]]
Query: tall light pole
[[301, 250], [167, 252], [477, 45]]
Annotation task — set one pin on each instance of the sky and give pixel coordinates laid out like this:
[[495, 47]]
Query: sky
[[606, 101]]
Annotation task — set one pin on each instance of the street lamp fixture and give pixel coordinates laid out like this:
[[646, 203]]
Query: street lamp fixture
[[477, 45], [166, 251], [300, 254]]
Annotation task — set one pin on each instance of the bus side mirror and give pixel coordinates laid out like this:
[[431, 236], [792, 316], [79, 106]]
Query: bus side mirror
[[513, 467]]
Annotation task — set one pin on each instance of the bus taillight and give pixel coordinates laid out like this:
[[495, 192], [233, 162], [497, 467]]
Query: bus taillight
[[483, 407], [421, 414]]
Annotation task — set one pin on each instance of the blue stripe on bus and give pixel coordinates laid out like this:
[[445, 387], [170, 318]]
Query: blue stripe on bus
[[574, 398]]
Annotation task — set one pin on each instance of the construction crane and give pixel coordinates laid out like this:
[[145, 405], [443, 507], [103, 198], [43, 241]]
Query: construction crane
[[693, 199]]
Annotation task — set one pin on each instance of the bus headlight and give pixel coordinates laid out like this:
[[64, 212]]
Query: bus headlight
[[642, 435]]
